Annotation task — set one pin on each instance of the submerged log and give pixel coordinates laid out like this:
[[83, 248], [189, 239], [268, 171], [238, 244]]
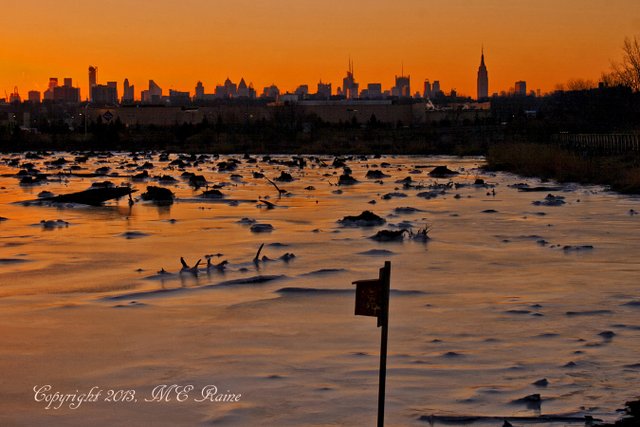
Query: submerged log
[[93, 196]]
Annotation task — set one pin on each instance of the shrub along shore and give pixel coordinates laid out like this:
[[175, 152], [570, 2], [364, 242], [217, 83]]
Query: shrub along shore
[[547, 161]]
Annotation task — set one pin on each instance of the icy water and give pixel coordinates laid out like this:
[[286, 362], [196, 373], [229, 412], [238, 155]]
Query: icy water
[[505, 293]]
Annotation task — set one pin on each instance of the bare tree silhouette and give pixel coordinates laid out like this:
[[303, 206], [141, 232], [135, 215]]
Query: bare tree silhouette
[[626, 72]]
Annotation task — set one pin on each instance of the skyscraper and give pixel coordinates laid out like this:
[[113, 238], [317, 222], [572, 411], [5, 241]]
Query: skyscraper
[[48, 94], [105, 94], [427, 89], [93, 80], [199, 92], [402, 89], [243, 89], [324, 90], [153, 95], [520, 88], [231, 89], [67, 93], [483, 79], [14, 98], [349, 85], [34, 97], [435, 89], [128, 92]]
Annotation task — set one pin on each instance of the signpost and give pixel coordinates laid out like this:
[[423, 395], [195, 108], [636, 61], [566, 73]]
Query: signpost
[[372, 299]]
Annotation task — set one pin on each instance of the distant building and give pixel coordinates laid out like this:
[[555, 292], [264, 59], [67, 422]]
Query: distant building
[[289, 98], [243, 89], [483, 79], [34, 97], [128, 92], [178, 98], [114, 86], [349, 85], [199, 93], [48, 94], [67, 93], [435, 90], [153, 95], [373, 91], [93, 80], [427, 93], [402, 89], [324, 90], [520, 88], [231, 89], [302, 91], [271, 92], [104, 94], [14, 97]]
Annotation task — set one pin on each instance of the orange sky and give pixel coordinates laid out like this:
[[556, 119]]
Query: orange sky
[[289, 42]]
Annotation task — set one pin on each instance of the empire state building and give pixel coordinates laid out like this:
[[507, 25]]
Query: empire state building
[[483, 79]]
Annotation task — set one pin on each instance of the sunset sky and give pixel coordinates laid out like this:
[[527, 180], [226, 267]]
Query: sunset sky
[[290, 42]]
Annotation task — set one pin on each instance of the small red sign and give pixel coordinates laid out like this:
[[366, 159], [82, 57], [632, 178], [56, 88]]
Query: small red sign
[[368, 298]]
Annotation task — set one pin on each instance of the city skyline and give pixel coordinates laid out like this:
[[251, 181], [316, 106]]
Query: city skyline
[[287, 43], [349, 89], [110, 93]]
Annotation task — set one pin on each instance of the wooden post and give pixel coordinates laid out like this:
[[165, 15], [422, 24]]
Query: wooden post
[[372, 299], [385, 278]]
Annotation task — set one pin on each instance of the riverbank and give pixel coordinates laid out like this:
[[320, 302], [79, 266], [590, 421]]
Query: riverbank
[[620, 172]]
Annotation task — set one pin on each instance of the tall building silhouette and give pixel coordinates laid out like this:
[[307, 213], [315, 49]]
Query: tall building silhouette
[[48, 94], [427, 93], [93, 80], [520, 88], [230, 88], [324, 90], [483, 79], [402, 89], [435, 89], [153, 95], [128, 92], [67, 93], [349, 85], [243, 89], [105, 94], [34, 97]]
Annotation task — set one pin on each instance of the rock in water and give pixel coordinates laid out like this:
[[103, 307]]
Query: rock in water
[[376, 174], [284, 177], [347, 180], [389, 235], [442, 172], [261, 228], [158, 194], [365, 219]]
